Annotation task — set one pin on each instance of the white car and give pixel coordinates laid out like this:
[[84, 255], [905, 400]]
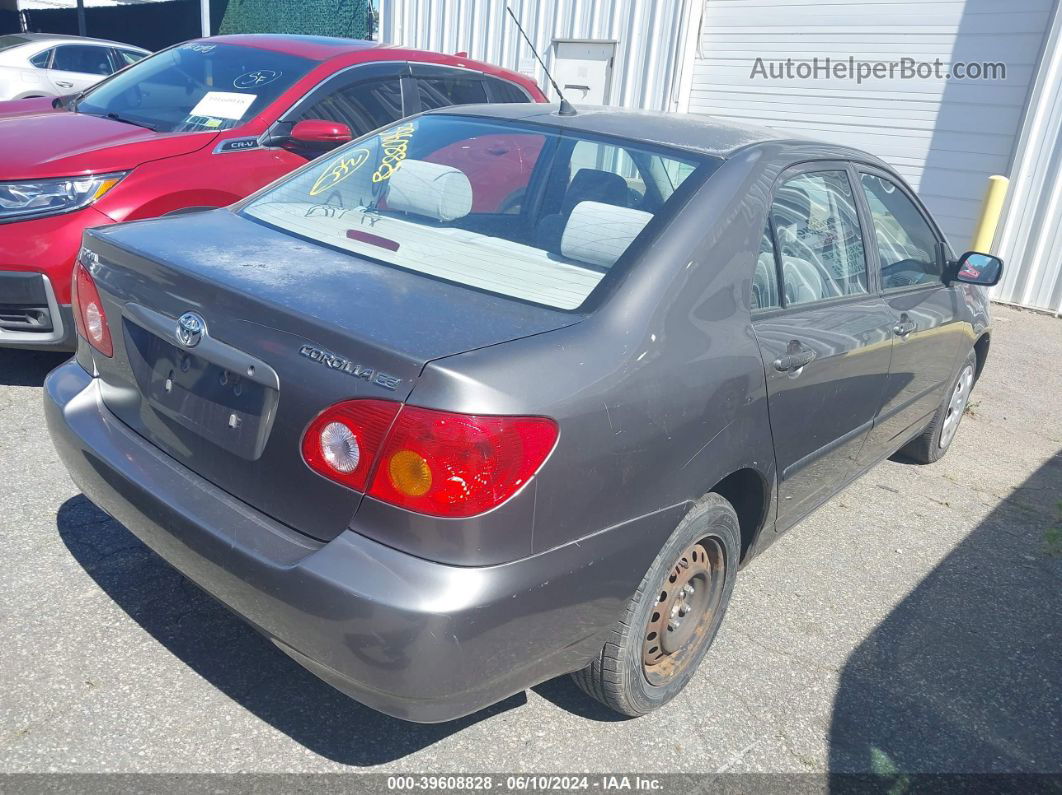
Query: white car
[[50, 65]]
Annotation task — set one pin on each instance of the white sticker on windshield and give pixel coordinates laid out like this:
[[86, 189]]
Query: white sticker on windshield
[[224, 105]]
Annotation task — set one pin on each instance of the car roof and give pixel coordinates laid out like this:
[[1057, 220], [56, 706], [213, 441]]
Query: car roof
[[315, 48], [703, 134], [37, 38], [346, 52]]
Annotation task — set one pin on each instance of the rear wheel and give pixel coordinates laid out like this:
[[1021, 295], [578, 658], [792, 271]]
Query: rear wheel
[[938, 436], [669, 623]]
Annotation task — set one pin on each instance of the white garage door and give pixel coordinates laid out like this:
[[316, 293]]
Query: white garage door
[[945, 136]]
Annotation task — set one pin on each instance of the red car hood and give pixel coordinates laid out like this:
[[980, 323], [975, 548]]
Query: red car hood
[[26, 107], [47, 143]]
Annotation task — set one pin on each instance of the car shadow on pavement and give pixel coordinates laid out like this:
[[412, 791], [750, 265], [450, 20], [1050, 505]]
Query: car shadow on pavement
[[564, 693], [965, 675], [27, 368], [234, 658]]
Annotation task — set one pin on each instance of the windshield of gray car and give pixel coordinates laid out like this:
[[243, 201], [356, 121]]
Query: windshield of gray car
[[525, 211], [194, 87]]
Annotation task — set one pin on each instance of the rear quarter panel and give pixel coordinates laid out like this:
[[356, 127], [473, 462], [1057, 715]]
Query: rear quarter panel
[[659, 394]]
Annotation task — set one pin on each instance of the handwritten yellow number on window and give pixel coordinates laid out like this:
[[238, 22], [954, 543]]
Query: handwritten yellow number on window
[[395, 143], [338, 170]]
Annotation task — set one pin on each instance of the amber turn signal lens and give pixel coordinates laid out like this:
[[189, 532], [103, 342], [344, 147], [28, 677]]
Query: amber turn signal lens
[[409, 473]]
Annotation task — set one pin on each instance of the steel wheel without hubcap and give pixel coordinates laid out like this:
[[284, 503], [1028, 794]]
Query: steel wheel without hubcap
[[956, 406], [685, 608]]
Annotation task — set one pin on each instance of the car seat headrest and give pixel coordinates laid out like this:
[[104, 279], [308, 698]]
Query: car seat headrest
[[432, 190]]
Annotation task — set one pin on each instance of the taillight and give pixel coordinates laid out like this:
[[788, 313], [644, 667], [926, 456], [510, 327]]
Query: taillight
[[432, 462], [445, 464], [89, 317], [341, 443]]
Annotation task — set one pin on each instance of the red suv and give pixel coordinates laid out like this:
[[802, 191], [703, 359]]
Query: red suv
[[196, 126]]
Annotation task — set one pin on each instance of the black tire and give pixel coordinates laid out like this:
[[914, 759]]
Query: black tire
[[936, 439], [620, 677]]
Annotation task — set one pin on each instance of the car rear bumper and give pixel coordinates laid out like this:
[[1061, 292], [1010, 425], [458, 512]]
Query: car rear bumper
[[418, 640]]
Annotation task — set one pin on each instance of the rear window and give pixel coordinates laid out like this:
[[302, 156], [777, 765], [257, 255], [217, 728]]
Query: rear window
[[521, 211], [504, 91], [7, 42]]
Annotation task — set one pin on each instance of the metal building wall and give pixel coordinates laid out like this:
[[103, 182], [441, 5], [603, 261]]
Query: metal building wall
[[1030, 239], [946, 137], [651, 37]]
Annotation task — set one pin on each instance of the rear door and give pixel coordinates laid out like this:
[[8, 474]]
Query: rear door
[[823, 331], [75, 67], [910, 255]]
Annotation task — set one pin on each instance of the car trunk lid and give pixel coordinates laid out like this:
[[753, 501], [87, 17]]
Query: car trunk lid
[[291, 327]]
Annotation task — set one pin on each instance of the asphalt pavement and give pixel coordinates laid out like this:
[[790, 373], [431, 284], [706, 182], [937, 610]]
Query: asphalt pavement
[[914, 624]]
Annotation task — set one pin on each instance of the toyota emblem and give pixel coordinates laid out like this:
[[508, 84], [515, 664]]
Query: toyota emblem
[[190, 329]]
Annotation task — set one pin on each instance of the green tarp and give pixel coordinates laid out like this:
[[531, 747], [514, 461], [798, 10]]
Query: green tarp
[[346, 18]]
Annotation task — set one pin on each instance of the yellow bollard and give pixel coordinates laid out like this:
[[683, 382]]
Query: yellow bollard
[[991, 208]]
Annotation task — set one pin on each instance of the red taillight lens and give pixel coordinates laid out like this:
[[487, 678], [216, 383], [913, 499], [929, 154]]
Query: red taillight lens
[[432, 462], [341, 443], [89, 317], [457, 465]]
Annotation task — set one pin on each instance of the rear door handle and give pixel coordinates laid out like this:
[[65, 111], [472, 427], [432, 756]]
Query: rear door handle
[[64, 84], [789, 362]]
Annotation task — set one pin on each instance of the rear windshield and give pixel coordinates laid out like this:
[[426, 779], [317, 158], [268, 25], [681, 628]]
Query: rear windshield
[[7, 42], [523, 211], [195, 87]]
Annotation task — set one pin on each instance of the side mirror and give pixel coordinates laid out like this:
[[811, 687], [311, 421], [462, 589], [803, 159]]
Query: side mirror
[[974, 267], [317, 135]]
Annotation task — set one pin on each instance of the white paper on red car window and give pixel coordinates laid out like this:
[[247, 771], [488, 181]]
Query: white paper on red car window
[[224, 105]]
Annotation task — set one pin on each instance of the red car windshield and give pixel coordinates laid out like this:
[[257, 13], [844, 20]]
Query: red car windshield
[[195, 87]]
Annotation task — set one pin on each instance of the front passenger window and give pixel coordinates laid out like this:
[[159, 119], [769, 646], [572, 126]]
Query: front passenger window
[[907, 246], [363, 106], [82, 58], [819, 243]]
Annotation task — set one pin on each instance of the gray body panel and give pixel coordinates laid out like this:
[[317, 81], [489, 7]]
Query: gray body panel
[[381, 318], [461, 639], [662, 389]]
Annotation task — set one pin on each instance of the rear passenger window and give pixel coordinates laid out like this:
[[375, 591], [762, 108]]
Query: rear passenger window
[[765, 276], [504, 91], [127, 57], [440, 92], [907, 246], [817, 233]]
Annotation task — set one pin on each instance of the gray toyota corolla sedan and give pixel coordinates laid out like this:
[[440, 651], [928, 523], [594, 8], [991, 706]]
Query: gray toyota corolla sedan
[[497, 394]]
